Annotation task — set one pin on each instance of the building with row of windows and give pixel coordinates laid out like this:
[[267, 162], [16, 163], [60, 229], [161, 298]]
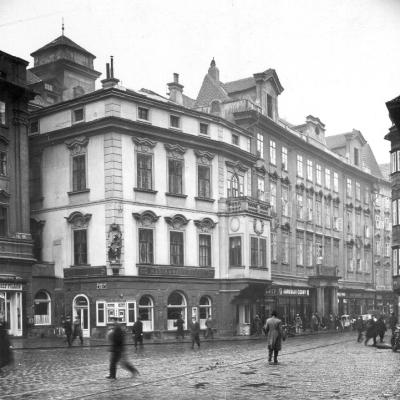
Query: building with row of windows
[[211, 207]]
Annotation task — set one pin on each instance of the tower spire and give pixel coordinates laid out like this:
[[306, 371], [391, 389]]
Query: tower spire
[[62, 27]]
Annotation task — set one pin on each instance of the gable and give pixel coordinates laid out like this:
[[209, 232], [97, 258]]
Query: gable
[[210, 90]]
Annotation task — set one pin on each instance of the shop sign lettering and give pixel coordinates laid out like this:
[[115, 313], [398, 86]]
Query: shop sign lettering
[[293, 292], [10, 286], [102, 285]]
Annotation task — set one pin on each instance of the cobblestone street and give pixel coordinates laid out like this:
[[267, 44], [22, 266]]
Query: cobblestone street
[[330, 366]]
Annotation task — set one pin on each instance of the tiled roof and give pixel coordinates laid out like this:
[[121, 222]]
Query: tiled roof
[[62, 41], [368, 159], [210, 90], [239, 85], [188, 101], [335, 141]]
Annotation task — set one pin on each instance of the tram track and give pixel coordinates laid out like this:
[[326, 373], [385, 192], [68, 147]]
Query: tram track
[[41, 393]]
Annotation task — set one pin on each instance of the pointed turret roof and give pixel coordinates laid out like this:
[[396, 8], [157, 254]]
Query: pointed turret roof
[[62, 41]]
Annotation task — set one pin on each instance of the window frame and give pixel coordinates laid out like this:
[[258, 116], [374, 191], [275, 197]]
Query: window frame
[[140, 109], [284, 156], [177, 179], [260, 145], [74, 246], [104, 304], [299, 166], [207, 248], [235, 255], [149, 246], [76, 179], [200, 187], [74, 114], [318, 174], [272, 152], [181, 244], [139, 169], [3, 113], [177, 118], [203, 124], [235, 139]]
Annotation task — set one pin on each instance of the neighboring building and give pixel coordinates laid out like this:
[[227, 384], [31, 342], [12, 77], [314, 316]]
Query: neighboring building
[[329, 203], [16, 257], [147, 207], [394, 137]]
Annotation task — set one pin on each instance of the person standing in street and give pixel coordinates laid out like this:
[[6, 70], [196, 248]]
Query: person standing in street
[[257, 325], [209, 331], [179, 327], [370, 331], [273, 330], [298, 323], [380, 328], [314, 323], [77, 332], [68, 330], [359, 328], [393, 322], [137, 332], [6, 355], [195, 332], [117, 339]]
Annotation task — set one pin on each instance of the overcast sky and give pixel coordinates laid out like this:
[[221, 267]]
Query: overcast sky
[[338, 60]]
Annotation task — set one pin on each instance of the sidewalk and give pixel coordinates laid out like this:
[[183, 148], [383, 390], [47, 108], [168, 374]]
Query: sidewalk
[[60, 342]]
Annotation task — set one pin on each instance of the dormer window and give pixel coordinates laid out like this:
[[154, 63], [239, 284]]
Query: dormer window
[[215, 107], [78, 115], [317, 131], [356, 156], [270, 111]]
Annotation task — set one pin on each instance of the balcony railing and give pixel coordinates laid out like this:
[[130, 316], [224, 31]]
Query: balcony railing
[[247, 204], [243, 105]]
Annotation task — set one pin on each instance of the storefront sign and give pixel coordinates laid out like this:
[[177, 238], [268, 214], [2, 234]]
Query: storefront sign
[[287, 292], [176, 271], [102, 285], [10, 286]]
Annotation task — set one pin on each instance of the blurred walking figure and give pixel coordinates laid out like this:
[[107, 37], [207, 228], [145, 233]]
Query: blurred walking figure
[[179, 327], [380, 328], [298, 323], [258, 325], [393, 322], [195, 332], [370, 331], [314, 323], [117, 339], [77, 332], [273, 330], [6, 355], [68, 330], [360, 328], [137, 332], [209, 331]]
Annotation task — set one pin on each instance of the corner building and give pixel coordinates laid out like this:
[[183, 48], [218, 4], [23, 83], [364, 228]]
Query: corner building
[[142, 205]]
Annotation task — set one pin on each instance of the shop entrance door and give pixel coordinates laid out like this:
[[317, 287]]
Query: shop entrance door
[[244, 319], [81, 310], [11, 312]]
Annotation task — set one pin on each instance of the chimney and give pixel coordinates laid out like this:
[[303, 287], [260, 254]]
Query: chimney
[[213, 71], [110, 81], [175, 90]]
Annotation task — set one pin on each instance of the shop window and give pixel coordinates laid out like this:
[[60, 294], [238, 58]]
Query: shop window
[[116, 311], [146, 313], [42, 308], [205, 311], [100, 313], [177, 306]]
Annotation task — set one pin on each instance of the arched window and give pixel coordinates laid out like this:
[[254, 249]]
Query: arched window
[[146, 313], [176, 306], [235, 186], [204, 311], [42, 308], [215, 107]]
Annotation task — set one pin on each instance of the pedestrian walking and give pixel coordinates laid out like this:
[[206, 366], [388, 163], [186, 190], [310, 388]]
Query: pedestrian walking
[[209, 328], [117, 339], [393, 322], [6, 355], [360, 328], [257, 325], [195, 332], [380, 328], [179, 327], [314, 323], [273, 330], [77, 330], [137, 332], [68, 330], [370, 331], [298, 323]]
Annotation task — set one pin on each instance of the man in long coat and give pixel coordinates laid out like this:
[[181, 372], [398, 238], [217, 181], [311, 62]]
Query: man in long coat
[[273, 330]]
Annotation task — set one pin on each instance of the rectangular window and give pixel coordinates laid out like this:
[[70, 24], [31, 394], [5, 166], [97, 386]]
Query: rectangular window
[[3, 221], [272, 152], [203, 128], [335, 182], [146, 246], [285, 248], [80, 247], [270, 106], [143, 113], [378, 247], [260, 145], [204, 250], [235, 251], [78, 115], [299, 251], [235, 139], [349, 218], [309, 170], [358, 191], [349, 188], [274, 248], [258, 252], [327, 252], [144, 171], [356, 156], [327, 178], [175, 169], [319, 174], [204, 184], [3, 163], [387, 249], [309, 253], [260, 188], [366, 195], [34, 126], [284, 158], [176, 248], [2, 113], [254, 252], [285, 201], [394, 212], [272, 187], [174, 121], [49, 87], [78, 173], [131, 313], [328, 215], [100, 313], [395, 266], [299, 205], [318, 211], [300, 166], [393, 165]]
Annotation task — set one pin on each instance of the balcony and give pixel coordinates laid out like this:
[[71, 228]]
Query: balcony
[[176, 271], [247, 205], [17, 247]]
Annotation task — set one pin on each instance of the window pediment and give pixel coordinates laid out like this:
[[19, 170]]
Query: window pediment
[[175, 150], [77, 145], [236, 166], [146, 218], [204, 157], [143, 144], [178, 221], [205, 224], [78, 220]]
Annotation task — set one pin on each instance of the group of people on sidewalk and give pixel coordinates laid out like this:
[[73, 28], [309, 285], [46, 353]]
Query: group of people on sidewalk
[[374, 327]]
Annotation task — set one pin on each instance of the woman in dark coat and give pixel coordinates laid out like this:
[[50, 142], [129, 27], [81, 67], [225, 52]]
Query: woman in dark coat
[[6, 356], [380, 328], [273, 330]]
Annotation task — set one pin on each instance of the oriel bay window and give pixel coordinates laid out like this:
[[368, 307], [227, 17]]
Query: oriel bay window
[[146, 246], [176, 248], [204, 250], [258, 252], [235, 251]]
